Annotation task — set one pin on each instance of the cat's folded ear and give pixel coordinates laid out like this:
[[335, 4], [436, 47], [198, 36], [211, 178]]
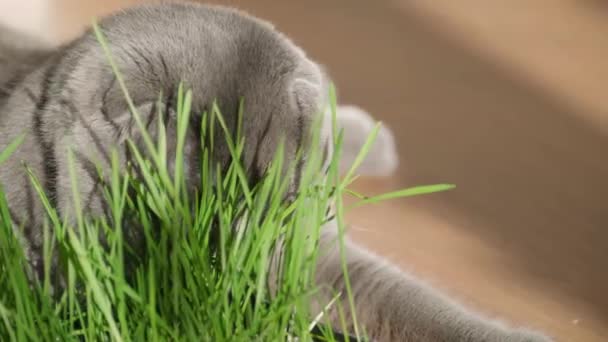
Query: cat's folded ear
[[306, 95], [308, 89], [382, 159]]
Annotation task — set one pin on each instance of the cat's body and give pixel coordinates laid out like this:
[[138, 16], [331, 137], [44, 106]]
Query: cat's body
[[69, 98]]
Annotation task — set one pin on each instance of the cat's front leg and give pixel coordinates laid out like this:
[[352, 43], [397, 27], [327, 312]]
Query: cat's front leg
[[393, 306]]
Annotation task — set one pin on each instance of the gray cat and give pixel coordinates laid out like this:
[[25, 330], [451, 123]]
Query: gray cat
[[69, 98]]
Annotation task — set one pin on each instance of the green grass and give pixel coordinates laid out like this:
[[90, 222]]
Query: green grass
[[203, 271]]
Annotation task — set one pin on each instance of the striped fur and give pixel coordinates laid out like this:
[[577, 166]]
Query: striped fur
[[67, 98]]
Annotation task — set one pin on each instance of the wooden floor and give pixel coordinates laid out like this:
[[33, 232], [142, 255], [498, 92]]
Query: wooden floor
[[506, 99]]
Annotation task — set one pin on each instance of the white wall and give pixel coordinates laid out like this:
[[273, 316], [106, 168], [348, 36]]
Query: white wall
[[31, 16]]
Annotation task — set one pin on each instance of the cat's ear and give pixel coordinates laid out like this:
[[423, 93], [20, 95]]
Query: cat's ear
[[308, 89], [310, 98], [306, 95], [382, 160]]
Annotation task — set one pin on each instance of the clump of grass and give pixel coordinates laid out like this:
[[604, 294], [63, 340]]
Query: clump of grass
[[202, 269]]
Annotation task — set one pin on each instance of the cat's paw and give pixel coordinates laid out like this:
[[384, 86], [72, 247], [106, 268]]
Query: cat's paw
[[382, 159]]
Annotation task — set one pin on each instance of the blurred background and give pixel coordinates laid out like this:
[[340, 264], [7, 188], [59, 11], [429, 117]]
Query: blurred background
[[505, 99]]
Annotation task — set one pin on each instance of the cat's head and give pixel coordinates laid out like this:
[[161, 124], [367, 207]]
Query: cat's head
[[228, 58]]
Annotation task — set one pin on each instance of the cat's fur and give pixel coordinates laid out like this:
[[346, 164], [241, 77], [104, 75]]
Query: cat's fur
[[69, 98]]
